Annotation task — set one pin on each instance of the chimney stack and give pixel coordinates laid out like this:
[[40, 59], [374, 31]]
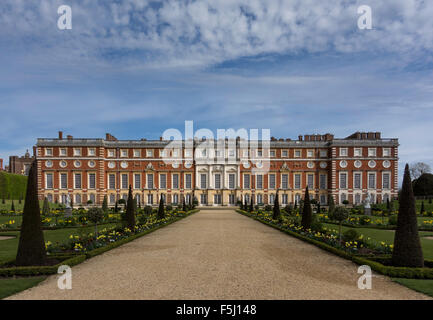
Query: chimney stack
[[300, 137], [69, 137], [60, 135]]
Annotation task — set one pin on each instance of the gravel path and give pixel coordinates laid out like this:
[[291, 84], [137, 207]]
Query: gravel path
[[217, 254]]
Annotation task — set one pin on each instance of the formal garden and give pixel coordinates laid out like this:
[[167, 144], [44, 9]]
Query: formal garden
[[36, 237], [395, 240]]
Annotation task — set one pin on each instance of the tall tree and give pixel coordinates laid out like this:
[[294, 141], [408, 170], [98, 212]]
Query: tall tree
[[45, 207], [307, 214], [331, 204], [31, 247], [130, 210], [276, 209], [407, 246], [417, 169], [161, 212]]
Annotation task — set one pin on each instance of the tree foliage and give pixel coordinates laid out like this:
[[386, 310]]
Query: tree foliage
[[307, 213]]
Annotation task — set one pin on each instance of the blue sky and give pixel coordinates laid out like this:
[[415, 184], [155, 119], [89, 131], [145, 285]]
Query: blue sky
[[135, 68]]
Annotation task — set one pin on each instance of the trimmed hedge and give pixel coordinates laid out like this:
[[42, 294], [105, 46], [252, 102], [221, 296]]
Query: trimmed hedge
[[373, 262], [71, 259], [13, 185], [42, 270]]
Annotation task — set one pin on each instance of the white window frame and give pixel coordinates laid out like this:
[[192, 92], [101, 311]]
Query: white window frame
[[269, 181], [372, 152], [388, 150], [77, 152], [343, 152], [300, 181], [60, 180], [89, 152], [122, 175], [111, 153], [81, 180], [284, 151], [136, 153], [360, 180], [172, 181], [389, 180], [295, 151], [159, 184], [139, 181], [149, 153], [257, 181], [48, 152], [310, 175], [359, 151], [368, 180], [46, 180], [249, 181], [190, 181], [147, 181], [310, 153], [323, 153], [108, 181], [282, 185], [122, 153], [63, 154], [88, 180], [339, 180]]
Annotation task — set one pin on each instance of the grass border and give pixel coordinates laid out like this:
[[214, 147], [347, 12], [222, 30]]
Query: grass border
[[395, 272]]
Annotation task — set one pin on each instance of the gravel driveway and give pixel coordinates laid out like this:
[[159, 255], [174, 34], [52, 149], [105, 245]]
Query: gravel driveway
[[217, 254]]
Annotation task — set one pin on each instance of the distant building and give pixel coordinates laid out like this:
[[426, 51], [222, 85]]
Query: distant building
[[348, 169], [20, 165]]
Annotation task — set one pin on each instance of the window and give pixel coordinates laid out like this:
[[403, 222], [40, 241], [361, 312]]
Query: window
[[92, 197], [175, 184], [357, 152], [78, 198], [259, 153], [217, 199], [49, 181], [124, 180], [285, 181], [63, 181], [310, 153], [343, 197], [357, 198], [175, 153], [372, 181], [203, 153], [246, 153], [111, 153], [150, 199], [188, 181], [246, 181], [77, 152], [259, 181], [149, 153], [371, 152], [271, 198], [385, 180], [231, 181], [188, 153], [323, 153], [284, 153], [322, 181], [284, 199], [357, 180], [322, 199], [297, 153], [77, 178], [92, 180], [203, 198], [124, 153], [203, 183], [112, 198], [111, 181], [137, 153], [272, 181], [217, 181], [297, 181], [91, 152], [343, 152], [272, 153], [63, 152], [137, 181], [149, 181], [162, 181], [297, 198], [231, 199], [232, 153], [386, 152], [343, 180], [175, 199], [259, 198], [48, 152], [310, 181], [137, 199]]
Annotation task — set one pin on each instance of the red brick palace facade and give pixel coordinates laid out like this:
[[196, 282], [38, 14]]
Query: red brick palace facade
[[347, 168]]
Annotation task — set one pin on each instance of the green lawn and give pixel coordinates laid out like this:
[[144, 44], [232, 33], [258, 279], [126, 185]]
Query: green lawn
[[388, 237], [9, 286], [420, 285], [8, 248]]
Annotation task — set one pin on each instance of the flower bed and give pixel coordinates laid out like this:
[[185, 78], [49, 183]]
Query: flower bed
[[326, 240]]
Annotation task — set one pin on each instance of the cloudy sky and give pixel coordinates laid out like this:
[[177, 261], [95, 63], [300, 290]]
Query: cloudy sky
[[135, 68]]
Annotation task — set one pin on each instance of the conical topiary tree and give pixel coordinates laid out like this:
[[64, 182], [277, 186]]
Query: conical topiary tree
[[105, 204], [13, 206], [422, 207], [331, 204], [184, 204], [307, 214], [31, 247], [45, 207], [250, 208], [407, 246], [161, 212], [276, 209], [130, 210]]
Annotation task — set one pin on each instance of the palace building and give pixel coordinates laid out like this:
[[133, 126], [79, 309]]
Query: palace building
[[347, 168]]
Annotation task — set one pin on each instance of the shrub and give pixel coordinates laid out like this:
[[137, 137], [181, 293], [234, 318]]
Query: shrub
[[268, 207], [147, 210], [364, 220], [169, 207], [350, 235], [392, 220]]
